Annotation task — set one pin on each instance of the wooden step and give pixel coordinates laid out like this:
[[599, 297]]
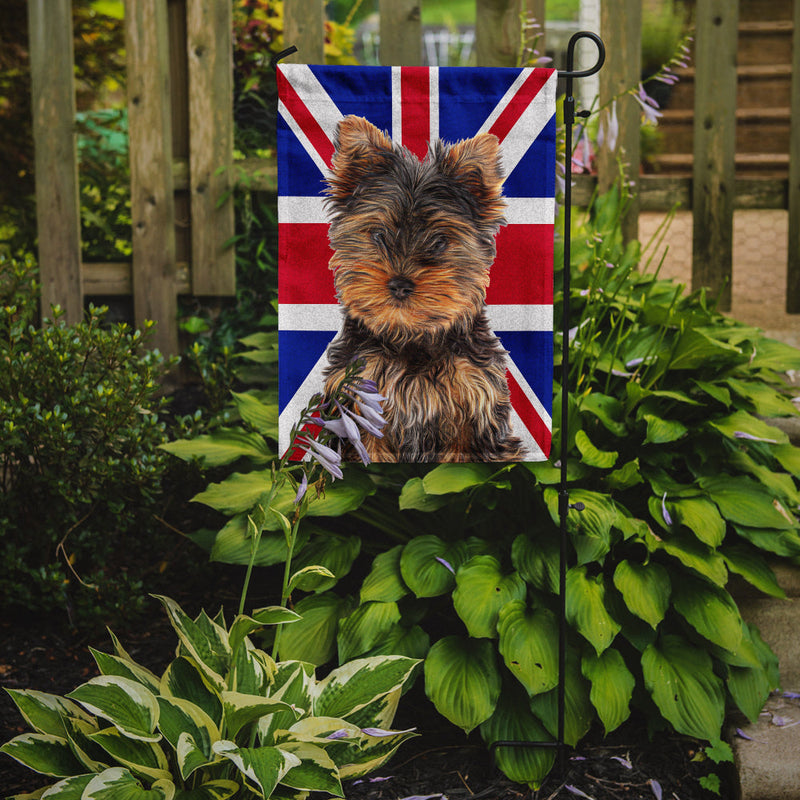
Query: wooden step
[[767, 165], [754, 10], [761, 41]]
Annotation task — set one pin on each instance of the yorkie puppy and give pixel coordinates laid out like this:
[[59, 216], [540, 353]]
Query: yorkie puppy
[[413, 245]]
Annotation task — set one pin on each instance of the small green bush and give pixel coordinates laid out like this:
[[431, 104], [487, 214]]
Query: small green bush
[[79, 430]]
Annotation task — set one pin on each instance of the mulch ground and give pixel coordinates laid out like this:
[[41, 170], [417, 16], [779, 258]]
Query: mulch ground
[[45, 654]]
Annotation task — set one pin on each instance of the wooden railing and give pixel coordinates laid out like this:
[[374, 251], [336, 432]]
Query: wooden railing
[[181, 134]]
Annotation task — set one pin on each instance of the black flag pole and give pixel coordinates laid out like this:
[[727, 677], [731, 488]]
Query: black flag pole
[[564, 506]]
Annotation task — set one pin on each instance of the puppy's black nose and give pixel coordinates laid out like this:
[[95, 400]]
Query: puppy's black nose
[[401, 288]]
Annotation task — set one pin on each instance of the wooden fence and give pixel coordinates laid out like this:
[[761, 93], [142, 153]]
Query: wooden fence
[[181, 134]]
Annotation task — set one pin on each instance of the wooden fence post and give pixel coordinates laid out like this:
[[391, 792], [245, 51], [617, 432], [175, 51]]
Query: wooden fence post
[[152, 201], [621, 28], [400, 33], [210, 54], [793, 266], [717, 23], [56, 161], [499, 30], [304, 27]]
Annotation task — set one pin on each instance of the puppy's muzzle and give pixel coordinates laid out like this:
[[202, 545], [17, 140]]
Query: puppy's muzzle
[[401, 288]]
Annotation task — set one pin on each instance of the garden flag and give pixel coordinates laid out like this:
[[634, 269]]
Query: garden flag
[[416, 213]]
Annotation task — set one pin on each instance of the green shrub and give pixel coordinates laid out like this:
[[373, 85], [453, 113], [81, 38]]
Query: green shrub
[[223, 720], [80, 469], [684, 484]]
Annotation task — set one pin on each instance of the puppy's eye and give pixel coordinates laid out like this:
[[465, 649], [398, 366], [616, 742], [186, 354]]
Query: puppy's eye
[[438, 246], [379, 237]]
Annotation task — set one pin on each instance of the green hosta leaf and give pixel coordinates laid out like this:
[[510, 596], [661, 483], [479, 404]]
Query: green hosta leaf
[[512, 721], [740, 422], [263, 766], [312, 577], [233, 544], [316, 772], [385, 582], [745, 502], [428, 565], [270, 615], [207, 643], [645, 588], [709, 610], [608, 410], [45, 712], [125, 668], [529, 645], [774, 355], [261, 416], [239, 492], [126, 704], [701, 517], [683, 685], [590, 528], [602, 459], [242, 709], [586, 608], [693, 554], [663, 431], [612, 687], [696, 349], [313, 638], [481, 591], [625, 477], [448, 478], [462, 680], [399, 640], [753, 567], [413, 496], [767, 401], [749, 687], [182, 679], [355, 685], [145, 759], [780, 542], [44, 753], [578, 710], [365, 627], [117, 783], [335, 553], [537, 561], [223, 446], [788, 455], [716, 391]]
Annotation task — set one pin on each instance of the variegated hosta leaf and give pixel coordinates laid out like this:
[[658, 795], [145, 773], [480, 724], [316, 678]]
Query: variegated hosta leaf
[[204, 641], [462, 680], [358, 683], [78, 733], [646, 589], [612, 687], [145, 759], [513, 721], [44, 753], [294, 685], [179, 718], [683, 685], [126, 704], [262, 766], [586, 608], [242, 709], [125, 668], [45, 712], [212, 790], [252, 670], [481, 591], [316, 771], [117, 783], [529, 645], [244, 625], [183, 679], [372, 754], [68, 789]]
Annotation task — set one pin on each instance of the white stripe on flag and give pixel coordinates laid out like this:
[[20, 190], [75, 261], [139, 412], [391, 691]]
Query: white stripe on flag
[[530, 210], [313, 383], [397, 107], [303, 209], [530, 123], [520, 318], [433, 94], [518, 429], [314, 97], [310, 316], [303, 139], [529, 393]]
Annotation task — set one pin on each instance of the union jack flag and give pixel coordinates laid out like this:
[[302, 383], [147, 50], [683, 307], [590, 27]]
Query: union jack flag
[[417, 105]]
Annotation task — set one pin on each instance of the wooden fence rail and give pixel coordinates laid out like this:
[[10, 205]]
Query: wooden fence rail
[[180, 103]]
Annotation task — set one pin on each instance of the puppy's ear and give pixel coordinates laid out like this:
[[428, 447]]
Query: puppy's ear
[[475, 164], [361, 150]]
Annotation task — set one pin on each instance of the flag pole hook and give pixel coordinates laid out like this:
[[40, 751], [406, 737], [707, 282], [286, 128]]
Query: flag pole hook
[[564, 505]]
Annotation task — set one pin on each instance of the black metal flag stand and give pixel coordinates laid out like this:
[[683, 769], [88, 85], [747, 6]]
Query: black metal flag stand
[[563, 495]]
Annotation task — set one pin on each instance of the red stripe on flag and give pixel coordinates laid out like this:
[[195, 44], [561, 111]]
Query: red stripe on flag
[[303, 117], [523, 270], [415, 103], [303, 256], [528, 414], [518, 103]]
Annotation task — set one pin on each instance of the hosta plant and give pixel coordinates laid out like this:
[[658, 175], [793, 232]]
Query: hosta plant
[[224, 720]]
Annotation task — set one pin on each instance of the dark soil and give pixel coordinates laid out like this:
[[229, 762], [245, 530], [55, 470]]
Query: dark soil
[[44, 654]]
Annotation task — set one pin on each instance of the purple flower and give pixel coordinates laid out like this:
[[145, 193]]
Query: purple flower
[[327, 458], [445, 563], [742, 735], [624, 761], [649, 106], [301, 489], [664, 512], [577, 792], [655, 786], [608, 132], [380, 732], [751, 437], [342, 733]]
